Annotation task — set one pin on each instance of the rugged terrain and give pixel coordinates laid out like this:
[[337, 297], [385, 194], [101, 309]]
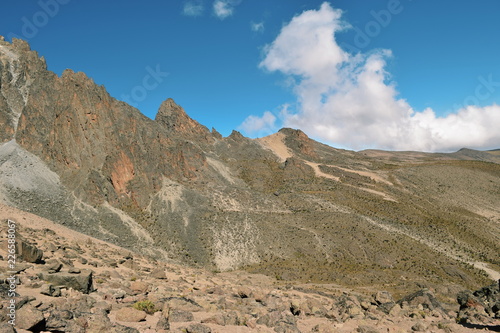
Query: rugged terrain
[[70, 282], [285, 205]]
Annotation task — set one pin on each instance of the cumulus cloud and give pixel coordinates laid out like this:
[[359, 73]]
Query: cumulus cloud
[[224, 8], [193, 8], [257, 26], [263, 125], [350, 100]]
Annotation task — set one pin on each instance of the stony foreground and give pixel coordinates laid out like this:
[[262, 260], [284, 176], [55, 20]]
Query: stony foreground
[[69, 282]]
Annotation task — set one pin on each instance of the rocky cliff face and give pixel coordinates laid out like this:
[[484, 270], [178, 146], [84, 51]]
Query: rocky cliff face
[[283, 205]]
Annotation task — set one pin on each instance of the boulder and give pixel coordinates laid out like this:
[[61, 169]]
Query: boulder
[[130, 315], [163, 324], [383, 297], [30, 318], [53, 265], [277, 318], [424, 298], [158, 273], [29, 252], [139, 287], [6, 328], [481, 306], [58, 320], [81, 282], [182, 303], [175, 315]]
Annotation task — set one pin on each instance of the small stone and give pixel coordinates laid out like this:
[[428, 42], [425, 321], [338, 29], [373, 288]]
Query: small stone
[[244, 292], [21, 267], [419, 327], [175, 316], [183, 304], [6, 327], [382, 297], [120, 294], [158, 274], [74, 270], [163, 324], [217, 319], [103, 305], [198, 328], [130, 315], [251, 323], [53, 265], [139, 286], [367, 329], [50, 290]]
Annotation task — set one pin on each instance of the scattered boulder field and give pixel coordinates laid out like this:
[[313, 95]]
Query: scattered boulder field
[[66, 281]]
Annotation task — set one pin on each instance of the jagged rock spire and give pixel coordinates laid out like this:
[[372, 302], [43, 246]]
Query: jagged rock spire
[[176, 121]]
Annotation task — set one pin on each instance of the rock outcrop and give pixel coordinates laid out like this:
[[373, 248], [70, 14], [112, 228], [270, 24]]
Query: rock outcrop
[[481, 307]]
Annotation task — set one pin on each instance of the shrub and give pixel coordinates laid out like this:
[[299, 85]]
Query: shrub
[[146, 306]]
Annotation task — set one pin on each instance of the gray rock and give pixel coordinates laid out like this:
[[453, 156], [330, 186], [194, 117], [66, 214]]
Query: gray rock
[[103, 305], [481, 306], [419, 327], [74, 270], [383, 297], [29, 318], [233, 318], [7, 328], [98, 322], [123, 329], [29, 252], [50, 290], [367, 329], [80, 304], [53, 265], [426, 299], [182, 303], [217, 319], [58, 320], [198, 328], [81, 282], [163, 324], [175, 316], [158, 273], [276, 318]]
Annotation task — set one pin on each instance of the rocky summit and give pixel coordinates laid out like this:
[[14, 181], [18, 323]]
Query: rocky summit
[[284, 206]]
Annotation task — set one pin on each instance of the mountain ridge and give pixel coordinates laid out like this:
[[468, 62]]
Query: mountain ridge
[[283, 205]]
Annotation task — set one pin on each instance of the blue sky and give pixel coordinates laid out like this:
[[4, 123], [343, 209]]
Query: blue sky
[[391, 74]]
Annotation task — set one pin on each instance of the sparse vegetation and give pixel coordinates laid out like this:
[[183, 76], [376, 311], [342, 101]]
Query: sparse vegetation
[[146, 306]]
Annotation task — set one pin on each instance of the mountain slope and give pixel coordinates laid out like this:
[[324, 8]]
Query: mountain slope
[[284, 205]]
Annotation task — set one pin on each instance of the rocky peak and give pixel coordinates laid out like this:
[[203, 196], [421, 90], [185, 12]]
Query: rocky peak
[[19, 66], [299, 142], [177, 123], [236, 136]]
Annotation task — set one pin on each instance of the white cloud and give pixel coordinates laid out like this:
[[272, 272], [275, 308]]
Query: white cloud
[[193, 8], [257, 26], [224, 8], [350, 101], [262, 125]]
